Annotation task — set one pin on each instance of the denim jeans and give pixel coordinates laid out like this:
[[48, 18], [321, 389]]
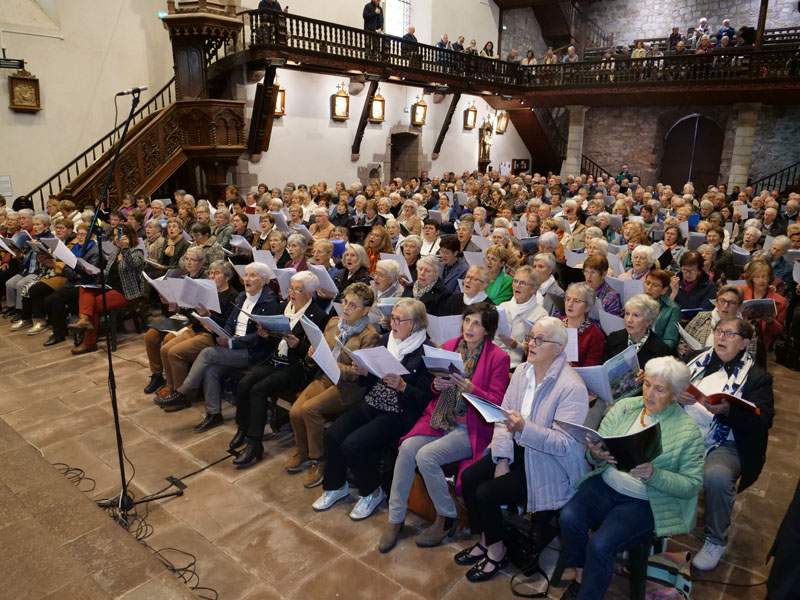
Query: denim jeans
[[618, 521], [722, 470]]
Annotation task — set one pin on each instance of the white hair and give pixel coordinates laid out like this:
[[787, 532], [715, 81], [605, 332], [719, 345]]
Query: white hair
[[645, 251], [645, 304], [308, 280], [669, 370], [554, 329], [433, 262], [261, 270], [549, 239], [390, 267]]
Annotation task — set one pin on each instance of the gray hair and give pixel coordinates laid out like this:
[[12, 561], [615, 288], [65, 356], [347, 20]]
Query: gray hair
[[601, 244], [261, 270], [414, 239], [549, 239], [548, 259], [153, 222], [669, 370], [416, 312], [361, 253], [198, 252], [592, 233], [308, 279], [783, 241], [501, 229], [433, 262], [300, 239], [554, 329], [530, 273], [647, 252], [585, 292], [44, 219], [390, 267], [158, 203], [646, 305], [224, 213], [224, 266], [188, 198], [27, 212], [756, 229]]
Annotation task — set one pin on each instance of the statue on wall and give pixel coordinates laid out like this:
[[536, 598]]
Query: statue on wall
[[487, 131]]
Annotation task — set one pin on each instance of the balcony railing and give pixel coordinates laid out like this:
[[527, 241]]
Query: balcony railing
[[780, 180]]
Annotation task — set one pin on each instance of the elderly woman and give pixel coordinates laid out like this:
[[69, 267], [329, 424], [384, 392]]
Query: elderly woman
[[409, 218], [296, 216], [750, 240], [29, 271], [174, 246], [342, 217], [578, 302], [277, 246], [481, 221], [636, 238], [656, 285], [594, 272], [384, 282], [297, 247], [322, 227], [641, 312], [430, 237], [378, 242], [123, 274], [728, 304], [428, 288], [735, 437], [550, 244], [450, 429], [545, 265], [709, 266], [673, 241], [321, 400], [154, 241], [224, 229], [392, 405], [642, 259], [186, 213], [530, 460], [499, 288], [281, 372], [623, 509], [692, 288], [355, 269], [475, 281], [261, 239], [240, 223], [521, 308], [411, 248], [759, 276]]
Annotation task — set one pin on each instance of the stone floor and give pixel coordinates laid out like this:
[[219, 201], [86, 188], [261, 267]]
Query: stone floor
[[253, 532]]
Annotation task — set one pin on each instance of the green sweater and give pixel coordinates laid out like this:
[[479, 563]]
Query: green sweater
[[666, 325], [500, 290], [678, 471]]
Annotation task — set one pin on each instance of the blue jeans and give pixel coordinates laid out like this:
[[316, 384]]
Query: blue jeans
[[618, 521]]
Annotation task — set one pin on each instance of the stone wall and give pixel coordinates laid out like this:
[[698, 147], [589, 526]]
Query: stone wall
[[522, 32], [775, 145], [627, 20]]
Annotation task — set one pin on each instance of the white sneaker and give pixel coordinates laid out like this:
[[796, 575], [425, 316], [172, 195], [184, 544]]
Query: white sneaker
[[709, 556], [366, 505], [331, 497]]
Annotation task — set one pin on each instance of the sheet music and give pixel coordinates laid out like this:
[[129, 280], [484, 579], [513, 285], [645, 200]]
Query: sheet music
[[325, 281], [322, 354]]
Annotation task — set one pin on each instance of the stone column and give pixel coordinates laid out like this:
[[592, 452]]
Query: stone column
[[572, 161], [745, 135]]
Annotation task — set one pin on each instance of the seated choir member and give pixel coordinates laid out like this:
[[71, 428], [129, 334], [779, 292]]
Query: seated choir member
[[282, 371], [595, 269], [454, 266], [545, 265], [656, 285], [578, 302], [692, 288], [450, 429], [475, 282], [530, 462], [759, 276], [123, 274], [355, 269], [735, 437], [642, 259], [428, 288], [522, 307], [499, 288], [623, 509], [321, 400], [390, 408], [701, 327]]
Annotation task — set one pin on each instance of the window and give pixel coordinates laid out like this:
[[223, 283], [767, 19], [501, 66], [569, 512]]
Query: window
[[397, 15]]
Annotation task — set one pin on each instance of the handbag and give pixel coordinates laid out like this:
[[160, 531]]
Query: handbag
[[669, 576], [525, 539]]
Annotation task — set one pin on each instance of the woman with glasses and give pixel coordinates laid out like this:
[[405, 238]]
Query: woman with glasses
[[728, 304], [530, 461], [641, 312], [735, 437], [355, 269], [428, 288], [578, 302], [623, 509], [692, 288], [642, 260], [358, 439], [450, 429], [475, 282], [323, 401], [499, 288], [522, 310], [595, 269]]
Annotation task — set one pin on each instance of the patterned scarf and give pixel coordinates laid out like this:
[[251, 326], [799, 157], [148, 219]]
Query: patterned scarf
[[641, 342], [735, 382], [346, 332], [444, 414], [420, 291]]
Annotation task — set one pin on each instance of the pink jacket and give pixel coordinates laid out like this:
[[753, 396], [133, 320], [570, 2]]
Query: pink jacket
[[490, 380]]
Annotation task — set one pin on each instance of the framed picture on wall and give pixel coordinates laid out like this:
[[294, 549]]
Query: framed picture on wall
[[23, 92]]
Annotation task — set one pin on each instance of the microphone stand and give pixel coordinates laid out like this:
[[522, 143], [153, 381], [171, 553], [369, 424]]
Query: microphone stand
[[124, 502]]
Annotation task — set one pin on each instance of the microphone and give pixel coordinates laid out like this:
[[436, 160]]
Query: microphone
[[135, 90]]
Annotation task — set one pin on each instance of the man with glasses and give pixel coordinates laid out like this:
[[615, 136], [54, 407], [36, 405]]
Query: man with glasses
[[735, 435]]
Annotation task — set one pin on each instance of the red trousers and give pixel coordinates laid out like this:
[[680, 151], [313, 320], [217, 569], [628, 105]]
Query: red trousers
[[90, 303]]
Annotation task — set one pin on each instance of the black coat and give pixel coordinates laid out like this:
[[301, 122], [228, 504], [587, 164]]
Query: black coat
[[652, 348], [434, 299], [343, 278], [373, 21], [257, 347], [296, 356], [700, 295]]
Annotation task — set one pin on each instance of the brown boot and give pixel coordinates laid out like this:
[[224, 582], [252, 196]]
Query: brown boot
[[83, 322], [390, 537], [435, 534], [297, 463], [84, 348], [314, 474]]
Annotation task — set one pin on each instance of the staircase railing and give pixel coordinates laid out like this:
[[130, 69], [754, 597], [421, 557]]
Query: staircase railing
[[53, 185], [590, 167], [551, 130], [779, 180], [581, 25]]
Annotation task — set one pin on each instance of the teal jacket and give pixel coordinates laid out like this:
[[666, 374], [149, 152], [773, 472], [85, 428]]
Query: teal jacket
[[666, 325], [678, 470], [500, 290]]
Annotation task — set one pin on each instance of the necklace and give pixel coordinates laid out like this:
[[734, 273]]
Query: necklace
[[641, 417]]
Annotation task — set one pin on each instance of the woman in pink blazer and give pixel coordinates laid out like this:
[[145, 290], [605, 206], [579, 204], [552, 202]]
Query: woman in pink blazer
[[450, 429]]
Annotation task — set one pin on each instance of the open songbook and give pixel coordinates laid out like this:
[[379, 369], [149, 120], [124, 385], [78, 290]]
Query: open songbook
[[187, 292], [378, 361], [720, 396], [442, 362], [628, 450], [491, 412], [615, 378]]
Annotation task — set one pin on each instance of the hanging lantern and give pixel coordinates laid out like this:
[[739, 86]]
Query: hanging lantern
[[280, 101], [377, 110], [340, 104], [419, 112], [470, 117], [502, 123]]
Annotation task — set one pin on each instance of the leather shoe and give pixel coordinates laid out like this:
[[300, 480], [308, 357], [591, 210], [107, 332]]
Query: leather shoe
[[479, 573], [466, 558], [209, 422], [83, 322], [84, 348], [174, 402], [238, 439], [390, 536], [572, 591], [53, 340], [156, 383], [251, 455]]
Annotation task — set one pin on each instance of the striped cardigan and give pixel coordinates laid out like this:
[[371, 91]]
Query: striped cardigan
[[130, 271], [554, 461]]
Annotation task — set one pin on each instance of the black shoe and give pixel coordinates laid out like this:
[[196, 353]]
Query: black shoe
[[209, 422], [466, 558], [479, 573], [238, 439], [13, 314], [572, 592], [252, 454], [156, 383], [175, 402], [53, 340]]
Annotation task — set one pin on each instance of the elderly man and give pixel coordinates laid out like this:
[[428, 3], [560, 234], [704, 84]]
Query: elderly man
[[772, 224], [241, 348], [202, 238], [545, 264]]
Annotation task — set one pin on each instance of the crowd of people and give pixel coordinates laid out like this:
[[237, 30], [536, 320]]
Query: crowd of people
[[699, 282]]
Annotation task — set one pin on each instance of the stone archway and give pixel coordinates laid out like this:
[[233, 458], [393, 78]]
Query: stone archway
[[692, 151]]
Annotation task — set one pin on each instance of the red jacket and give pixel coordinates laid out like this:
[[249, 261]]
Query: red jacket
[[591, 342], [490, 380], [768, 331]]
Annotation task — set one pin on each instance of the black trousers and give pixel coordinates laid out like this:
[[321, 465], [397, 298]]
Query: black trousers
[[261, 383], [33, 304], [5, 275], [484, 494], [58, 307], [357, 440]]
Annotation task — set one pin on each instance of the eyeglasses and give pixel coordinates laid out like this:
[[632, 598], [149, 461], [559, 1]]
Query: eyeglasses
[[520, 282], [297, 290], [727, 302], [351, 306], [538, 340], [472, 278], [569, 300], [397, 320], [726, 334]]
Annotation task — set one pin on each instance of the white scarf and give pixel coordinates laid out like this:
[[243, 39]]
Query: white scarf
[[479, 297], [294, 317], [542, 291], [516, 309], [399, 348]]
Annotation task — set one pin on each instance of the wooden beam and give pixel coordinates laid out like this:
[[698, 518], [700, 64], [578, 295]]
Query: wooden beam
[[355, 151], [263, 114], [446, 124], [762, 23]]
